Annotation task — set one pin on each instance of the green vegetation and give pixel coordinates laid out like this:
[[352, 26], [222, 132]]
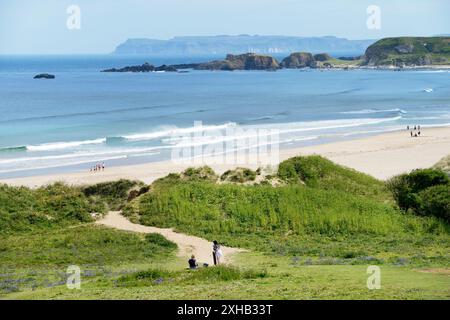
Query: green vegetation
[[199, 174], [280, 278], [409, 51], [317, 172], [24, 209], [202, 275], [114, 193], [39, 259], [311, 236], [240, 175], [423, 192], [325, 212]]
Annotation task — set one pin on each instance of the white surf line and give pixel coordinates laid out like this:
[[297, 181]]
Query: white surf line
[[187, 245]]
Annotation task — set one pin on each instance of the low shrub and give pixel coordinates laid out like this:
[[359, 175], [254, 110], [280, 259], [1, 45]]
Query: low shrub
[[114, 193], [423, 192], [239, 175], [435, 201]]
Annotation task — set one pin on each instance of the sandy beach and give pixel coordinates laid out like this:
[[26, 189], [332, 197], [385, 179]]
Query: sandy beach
[[381, 156]]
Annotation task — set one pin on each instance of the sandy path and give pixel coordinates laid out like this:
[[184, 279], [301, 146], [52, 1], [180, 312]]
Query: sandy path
[[187, 245]]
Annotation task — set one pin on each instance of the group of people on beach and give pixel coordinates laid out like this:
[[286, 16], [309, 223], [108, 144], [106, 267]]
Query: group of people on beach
[[98, 167], [216, 253], [415, 132]]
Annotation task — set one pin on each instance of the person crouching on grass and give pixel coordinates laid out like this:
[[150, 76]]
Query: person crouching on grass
[[193, 263]]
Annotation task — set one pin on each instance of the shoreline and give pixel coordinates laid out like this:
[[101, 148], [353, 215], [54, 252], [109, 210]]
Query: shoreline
[[381, 156]]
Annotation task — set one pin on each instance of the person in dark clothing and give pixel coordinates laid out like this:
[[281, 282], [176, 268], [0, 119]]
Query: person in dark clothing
[[193, 263], [216, 247]]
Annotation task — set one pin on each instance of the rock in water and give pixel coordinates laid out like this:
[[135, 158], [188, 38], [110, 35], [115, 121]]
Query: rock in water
[[166, 68], [44, 76], [146, 67]]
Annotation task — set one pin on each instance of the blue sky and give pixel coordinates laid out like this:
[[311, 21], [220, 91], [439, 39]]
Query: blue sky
[[39, 26]]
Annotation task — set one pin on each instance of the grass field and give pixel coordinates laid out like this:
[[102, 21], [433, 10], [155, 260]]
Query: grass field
[[270, 278], [312, 236]]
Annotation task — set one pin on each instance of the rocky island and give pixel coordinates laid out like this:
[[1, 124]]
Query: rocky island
[[44, 76], [146, 67]]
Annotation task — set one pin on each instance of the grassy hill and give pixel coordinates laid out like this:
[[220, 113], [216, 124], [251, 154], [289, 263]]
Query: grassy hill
[[321, 221], [409, 51], [323, 211]]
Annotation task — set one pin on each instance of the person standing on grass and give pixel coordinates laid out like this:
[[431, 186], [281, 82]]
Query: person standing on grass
[[219, 255], [217, 252]]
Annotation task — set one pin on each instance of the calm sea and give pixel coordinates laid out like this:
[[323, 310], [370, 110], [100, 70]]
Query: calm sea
[[85, 116]]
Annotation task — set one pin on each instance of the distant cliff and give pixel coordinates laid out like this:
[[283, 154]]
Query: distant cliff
[[409, 51], [221, 45]]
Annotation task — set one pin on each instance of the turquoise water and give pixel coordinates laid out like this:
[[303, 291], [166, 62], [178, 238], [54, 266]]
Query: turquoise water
[[85, 116]]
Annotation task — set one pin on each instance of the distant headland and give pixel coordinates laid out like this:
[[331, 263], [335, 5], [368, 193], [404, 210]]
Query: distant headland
[[396, 53], [221, 45]]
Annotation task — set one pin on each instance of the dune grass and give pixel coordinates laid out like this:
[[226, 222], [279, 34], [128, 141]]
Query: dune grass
[[114, 193], [23, 209], [323, 211], [311, 236], [39, 259]]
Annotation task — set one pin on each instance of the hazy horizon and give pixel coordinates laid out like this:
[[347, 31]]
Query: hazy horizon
[[40, 26]]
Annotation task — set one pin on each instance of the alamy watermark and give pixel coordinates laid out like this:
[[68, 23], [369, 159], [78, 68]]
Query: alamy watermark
[[228, 144], [374, 280], [373, 22], [73, 277], [73, 22]]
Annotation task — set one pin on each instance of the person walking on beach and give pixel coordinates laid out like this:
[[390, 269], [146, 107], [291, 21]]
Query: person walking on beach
[[217, 253], [411, 134]]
